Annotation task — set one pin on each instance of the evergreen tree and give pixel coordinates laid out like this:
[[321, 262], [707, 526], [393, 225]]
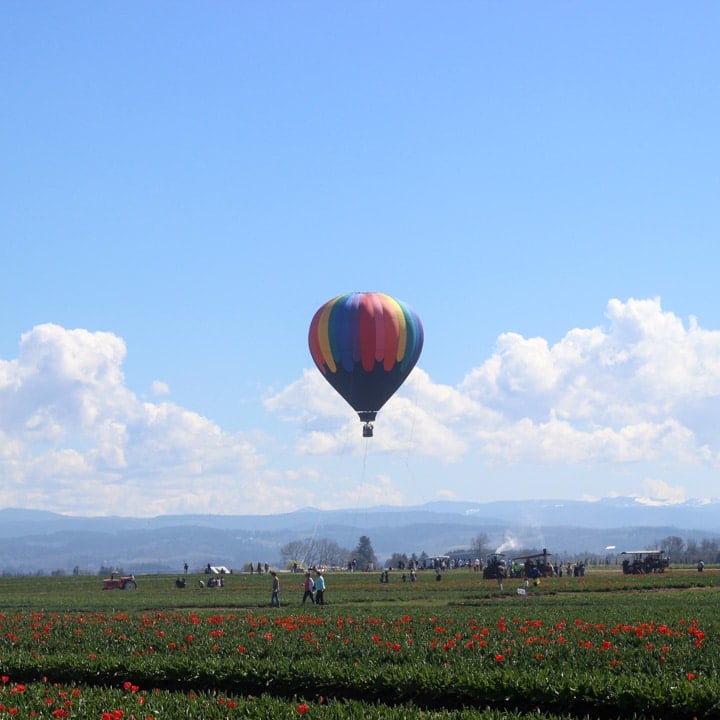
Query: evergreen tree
[[364, 554]]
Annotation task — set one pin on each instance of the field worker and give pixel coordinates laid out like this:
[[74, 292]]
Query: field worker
[[275, 597], [309, 587], [319, 589]]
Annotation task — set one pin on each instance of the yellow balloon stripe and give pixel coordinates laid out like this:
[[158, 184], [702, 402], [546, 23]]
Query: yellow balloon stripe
[[324, 335]]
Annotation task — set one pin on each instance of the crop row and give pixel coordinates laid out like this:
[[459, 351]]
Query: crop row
[[43, 700], [445, 662]]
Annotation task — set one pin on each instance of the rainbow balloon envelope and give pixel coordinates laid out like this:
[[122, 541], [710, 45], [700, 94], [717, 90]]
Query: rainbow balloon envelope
[[365, 344]]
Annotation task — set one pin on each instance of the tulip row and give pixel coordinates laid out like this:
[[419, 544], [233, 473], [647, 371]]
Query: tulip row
[[460, 658], [43, 700]]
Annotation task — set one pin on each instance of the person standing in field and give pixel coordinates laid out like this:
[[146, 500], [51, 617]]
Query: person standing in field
[[309, 588], [319, 589], [275, 597]]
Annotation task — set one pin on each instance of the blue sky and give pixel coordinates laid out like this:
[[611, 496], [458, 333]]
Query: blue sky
[[182, 188]]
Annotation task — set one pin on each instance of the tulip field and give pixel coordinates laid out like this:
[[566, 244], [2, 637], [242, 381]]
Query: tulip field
[[599, 646]]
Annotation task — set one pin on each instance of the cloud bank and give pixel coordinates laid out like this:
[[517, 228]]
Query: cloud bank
[[74, 438], [645, 388]]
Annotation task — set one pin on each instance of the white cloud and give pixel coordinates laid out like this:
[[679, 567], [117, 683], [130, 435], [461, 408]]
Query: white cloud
[[158, 387], [638, 395], [643, 389], [447, 494], [421, 417], [378, 491], [660, 492], [73, 438]]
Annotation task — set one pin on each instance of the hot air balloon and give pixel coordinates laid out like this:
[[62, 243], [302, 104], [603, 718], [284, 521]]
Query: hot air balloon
[[365, 344]]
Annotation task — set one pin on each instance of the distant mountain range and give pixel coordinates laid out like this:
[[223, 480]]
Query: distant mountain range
[[35, 541]]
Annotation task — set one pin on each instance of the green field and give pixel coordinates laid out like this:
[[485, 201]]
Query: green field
[[600, 646]]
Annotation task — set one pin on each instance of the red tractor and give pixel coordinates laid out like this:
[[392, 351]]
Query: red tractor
[[126, 582]]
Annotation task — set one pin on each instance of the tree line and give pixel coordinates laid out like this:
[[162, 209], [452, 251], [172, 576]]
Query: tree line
[[321, 552], [690, 551]]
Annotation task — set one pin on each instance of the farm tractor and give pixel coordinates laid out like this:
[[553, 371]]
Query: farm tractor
[[536, 565], [125, 582], [495, 567], [644, 562]]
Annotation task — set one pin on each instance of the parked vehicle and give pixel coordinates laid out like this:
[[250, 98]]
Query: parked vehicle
[[643, 562], [125, 582]]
